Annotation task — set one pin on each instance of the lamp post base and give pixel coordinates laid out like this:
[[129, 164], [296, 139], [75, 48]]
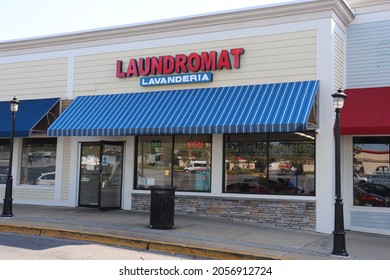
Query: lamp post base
[[339, 247], [339, 244], [340, 253], [7, 208]]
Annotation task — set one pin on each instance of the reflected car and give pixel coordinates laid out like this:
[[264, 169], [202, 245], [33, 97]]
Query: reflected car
[[46, 179], [363, 198], [377, 189], [3, 177], [3, 174], [196, 165], [383, 169], [280, 166], [357, 179], [246, 187], [49, 179], [85, 179]]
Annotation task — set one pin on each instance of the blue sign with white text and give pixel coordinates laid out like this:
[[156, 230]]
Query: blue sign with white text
[[205, 77]]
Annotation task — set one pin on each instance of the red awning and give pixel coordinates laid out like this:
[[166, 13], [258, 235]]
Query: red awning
[[366, 111]]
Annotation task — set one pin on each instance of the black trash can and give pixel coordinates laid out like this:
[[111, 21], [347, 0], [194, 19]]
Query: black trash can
[[162, 207]]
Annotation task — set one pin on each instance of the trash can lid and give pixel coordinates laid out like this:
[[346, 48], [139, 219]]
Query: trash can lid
[[162, 187]]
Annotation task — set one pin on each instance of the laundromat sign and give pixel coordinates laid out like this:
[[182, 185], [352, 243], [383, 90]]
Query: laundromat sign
[[180, 68]]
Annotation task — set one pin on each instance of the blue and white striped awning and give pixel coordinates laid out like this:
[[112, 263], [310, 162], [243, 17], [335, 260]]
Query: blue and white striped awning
[[278, 107]]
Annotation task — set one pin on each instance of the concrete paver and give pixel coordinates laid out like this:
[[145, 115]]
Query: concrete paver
[[192, 235]]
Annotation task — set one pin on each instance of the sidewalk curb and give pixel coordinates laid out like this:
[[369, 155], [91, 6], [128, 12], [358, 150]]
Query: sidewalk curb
[[135, 243]]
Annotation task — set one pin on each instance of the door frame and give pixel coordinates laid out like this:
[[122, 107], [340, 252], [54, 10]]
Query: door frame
[[99, 144]]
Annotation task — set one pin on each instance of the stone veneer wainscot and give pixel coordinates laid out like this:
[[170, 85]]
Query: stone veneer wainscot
[[298, 215]]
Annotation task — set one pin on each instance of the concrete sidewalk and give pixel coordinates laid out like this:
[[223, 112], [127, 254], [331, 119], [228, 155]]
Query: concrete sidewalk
[[197, 236]]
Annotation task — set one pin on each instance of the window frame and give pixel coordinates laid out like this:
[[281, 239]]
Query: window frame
[[172, 161], [269, 138], [35, 141]]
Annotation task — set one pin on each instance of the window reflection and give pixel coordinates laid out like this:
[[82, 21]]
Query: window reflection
[[371, 176], [192, 162], [182, 161], [4, 160], [270, 164], [38, 161], [154, 161]]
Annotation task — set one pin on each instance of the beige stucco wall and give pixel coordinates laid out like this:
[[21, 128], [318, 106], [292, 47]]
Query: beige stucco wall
[[37, 194], [36, 79], [267, 59], [66, 166]]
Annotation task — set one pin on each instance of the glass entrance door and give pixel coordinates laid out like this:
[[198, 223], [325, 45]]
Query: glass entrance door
[[100, 181], [89, 174], [111, 161]]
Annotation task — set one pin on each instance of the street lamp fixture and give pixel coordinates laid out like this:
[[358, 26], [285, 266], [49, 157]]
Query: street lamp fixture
[[338, 233], [7, 206]]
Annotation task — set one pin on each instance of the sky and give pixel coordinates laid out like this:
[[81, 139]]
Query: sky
[[20, 19]]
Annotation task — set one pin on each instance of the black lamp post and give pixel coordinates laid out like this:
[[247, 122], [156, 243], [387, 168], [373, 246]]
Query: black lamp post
[[338, 233], [7, 206]]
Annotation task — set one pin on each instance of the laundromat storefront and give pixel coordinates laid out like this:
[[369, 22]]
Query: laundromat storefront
[[175, 129]]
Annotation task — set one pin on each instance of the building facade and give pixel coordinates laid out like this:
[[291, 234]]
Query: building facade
[[365, 125], [234, 109]]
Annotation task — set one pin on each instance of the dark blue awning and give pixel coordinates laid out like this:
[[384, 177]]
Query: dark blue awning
[[278, 107], [30, 113]]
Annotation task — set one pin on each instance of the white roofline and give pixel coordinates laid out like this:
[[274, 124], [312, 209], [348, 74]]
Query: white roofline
[[141, 23], [258, 13]]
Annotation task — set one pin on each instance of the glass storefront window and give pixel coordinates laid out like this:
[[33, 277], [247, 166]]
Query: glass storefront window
[[192, 162], [246, 163], [4, 160], [281, 163], [38, 161], [371, 175], [154, 161], [180, 161]]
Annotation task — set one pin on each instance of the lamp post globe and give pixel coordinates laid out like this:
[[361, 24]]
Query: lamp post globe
[[338, 99], [14, 105], [7, 206], [339, 247]]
